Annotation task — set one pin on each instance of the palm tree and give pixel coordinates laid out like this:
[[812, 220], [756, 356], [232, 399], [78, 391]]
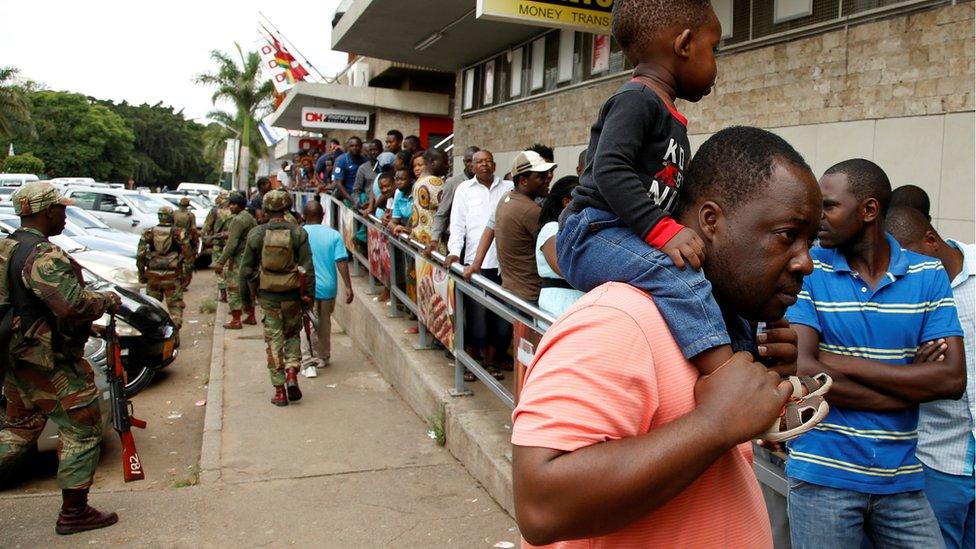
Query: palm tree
[[244, 86], [222, 128], [15, 116]]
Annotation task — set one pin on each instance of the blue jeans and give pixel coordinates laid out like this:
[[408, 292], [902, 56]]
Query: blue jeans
[[952, 498], [822, 517], [594, 247]]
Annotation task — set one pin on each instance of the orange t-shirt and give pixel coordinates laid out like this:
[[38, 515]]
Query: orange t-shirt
[[609, 369]]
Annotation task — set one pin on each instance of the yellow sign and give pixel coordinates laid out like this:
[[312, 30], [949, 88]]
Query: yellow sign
[[581, 15]]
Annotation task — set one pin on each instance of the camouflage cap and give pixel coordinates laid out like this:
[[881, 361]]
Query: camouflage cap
[[185, 201], [222, 197], [276, 201], [165, 214], [37, 196]]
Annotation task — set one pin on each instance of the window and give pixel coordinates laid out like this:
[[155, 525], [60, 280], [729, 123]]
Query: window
[[469, 88], [723, 9], [147, 204], [788, 10], [515, 83], [567, 45], [489, 93], [108, 203], [85, 201], [538, 64]]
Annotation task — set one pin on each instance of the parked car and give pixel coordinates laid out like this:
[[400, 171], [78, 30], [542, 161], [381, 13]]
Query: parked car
[[199, 209], [130, 211], [65, 181], [16, 179], [117, 268], [91, 234], [5, 193], [206, 189]]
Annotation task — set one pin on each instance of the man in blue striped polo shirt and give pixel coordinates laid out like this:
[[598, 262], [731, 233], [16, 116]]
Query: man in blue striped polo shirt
[[882, 323]]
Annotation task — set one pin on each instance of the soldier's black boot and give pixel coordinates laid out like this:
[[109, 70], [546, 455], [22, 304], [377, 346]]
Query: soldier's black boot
[[251, 319], [291, 382], [281, 397], [77, 516]]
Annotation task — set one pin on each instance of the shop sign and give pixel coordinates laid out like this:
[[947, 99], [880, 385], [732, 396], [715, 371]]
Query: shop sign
[[580, 15], [338, 119]]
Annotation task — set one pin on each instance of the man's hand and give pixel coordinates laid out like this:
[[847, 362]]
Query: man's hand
[[932, 351], [349, 296], [429, 248], [114, 302], [450, 260], [742, 398], [685, 246], [470, 271], [777, 347], [218, 268]]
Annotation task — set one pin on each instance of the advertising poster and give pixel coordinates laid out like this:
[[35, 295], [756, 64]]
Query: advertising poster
[[347, 224], [526, 342], [601, 54], [379, 255], [435, 301]]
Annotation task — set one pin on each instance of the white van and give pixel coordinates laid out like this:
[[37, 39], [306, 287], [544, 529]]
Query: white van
[[64, 181], [16, 179], [205, 189]]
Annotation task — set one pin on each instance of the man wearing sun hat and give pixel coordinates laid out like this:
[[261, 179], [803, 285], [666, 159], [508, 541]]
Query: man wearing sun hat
[[49, 377]]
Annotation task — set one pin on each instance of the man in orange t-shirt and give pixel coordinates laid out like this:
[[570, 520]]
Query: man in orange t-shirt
[[617, 442]]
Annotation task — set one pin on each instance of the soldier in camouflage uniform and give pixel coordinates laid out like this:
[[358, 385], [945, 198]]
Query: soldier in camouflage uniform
[[163, 270], [185, 219], [50, 379], [230, 259], [214, 228], [276, 253]]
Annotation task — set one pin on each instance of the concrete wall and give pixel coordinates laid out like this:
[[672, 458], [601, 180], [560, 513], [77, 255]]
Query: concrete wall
[[898, 91], [387, 120]]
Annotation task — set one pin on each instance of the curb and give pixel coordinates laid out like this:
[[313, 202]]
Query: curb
[[214, 417], [477, 428]]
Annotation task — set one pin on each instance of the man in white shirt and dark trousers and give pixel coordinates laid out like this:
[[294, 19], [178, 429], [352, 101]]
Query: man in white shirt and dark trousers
[[474, 200], [946, 431]]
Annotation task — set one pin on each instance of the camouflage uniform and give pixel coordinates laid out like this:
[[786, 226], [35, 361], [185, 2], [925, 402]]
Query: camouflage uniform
[[164, 283], [185, 219], [237, 230], [282, 311], [215, 224], [50, 379]]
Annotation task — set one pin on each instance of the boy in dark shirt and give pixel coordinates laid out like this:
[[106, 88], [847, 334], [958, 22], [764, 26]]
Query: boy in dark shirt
[[619, 225]]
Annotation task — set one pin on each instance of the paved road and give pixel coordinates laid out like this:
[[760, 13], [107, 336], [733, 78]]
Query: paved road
[[349, 466]]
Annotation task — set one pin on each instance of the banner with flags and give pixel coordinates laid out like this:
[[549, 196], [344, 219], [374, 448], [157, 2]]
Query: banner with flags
[[280, 65]]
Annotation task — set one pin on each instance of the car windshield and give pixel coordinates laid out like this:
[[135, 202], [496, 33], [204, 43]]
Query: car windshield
[[148, 204], [84, 219], [7, 190]]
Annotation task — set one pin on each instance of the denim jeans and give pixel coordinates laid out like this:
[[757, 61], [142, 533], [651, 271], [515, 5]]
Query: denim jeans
[[951, 497], [822, 517], [594, 247]]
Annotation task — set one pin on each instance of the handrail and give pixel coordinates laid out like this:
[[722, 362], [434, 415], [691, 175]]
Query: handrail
[[487, 293]]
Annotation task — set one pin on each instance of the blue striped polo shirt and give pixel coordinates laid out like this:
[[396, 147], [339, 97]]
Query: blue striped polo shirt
[[870, 452]]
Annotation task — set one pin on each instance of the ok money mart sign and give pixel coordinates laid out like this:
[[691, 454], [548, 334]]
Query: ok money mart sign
[[336, 119], [581, 15]]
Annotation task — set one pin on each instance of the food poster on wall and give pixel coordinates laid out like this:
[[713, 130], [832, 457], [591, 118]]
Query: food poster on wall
[[379, 255], [526, 342], [435, 301], [348, 228]]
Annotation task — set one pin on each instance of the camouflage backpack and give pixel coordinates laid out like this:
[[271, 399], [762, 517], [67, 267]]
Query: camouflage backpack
[[164, 254], [7, 247], [279, 271]]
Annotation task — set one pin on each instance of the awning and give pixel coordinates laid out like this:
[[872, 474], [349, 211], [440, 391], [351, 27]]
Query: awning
[[431, 33], [358, 98]]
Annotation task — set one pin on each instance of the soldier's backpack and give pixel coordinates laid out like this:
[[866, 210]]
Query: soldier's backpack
[[279, 270], [164, 253], [7, 247]]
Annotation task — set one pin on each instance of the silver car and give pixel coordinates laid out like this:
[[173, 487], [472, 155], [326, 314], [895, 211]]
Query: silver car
[[129, 211]]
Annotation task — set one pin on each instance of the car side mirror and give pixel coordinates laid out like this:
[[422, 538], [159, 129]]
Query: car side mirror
[[122, 209]]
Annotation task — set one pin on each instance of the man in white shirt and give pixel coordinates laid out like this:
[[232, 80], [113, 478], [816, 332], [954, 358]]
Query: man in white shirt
[[283, 179], [946, 428], [474, 200]]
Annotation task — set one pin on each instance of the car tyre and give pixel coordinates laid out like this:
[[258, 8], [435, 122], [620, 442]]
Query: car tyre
[[139, 378]]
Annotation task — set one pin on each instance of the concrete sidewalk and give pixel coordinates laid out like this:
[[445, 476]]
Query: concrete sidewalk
[[350, 465]]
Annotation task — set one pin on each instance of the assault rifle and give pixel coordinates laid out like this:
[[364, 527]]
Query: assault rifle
[[309, 319], [122, 419], [215, 236]]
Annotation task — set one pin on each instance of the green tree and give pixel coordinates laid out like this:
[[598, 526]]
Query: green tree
[[22, 163], [15, 112], [222, 129], [244, 86], [78, 138]]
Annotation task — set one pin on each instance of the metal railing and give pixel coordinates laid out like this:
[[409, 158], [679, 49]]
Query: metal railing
[[493, 297]]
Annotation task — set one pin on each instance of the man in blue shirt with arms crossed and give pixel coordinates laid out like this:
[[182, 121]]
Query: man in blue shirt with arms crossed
[[346, 166], [882, 323], [328, 254]]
